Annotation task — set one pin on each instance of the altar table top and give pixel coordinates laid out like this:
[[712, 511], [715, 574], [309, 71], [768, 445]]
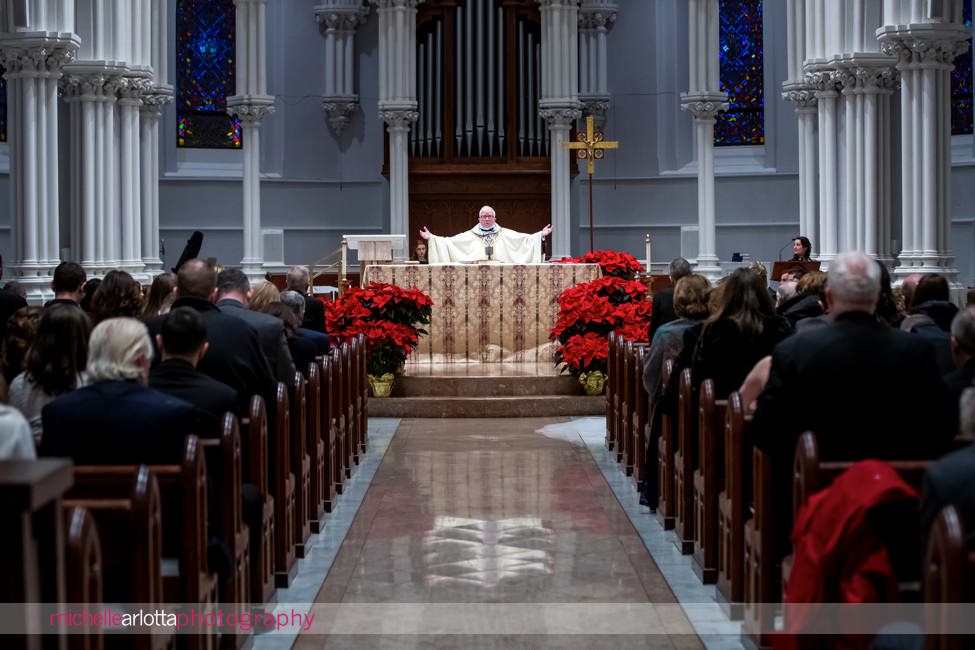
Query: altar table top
[[487, 312]]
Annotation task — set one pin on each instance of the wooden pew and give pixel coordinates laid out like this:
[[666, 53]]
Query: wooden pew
[[708, 482], [612, 381], [338, 416], [355, 408], [765, 575], [328, 433], [640, 418], [949, 578], [126, 507], [348, 410], [316, 448], [685, 462], [733, 507], [33, 542], [665, 459], [225, 471], [185, 521], [300, 463], [624, 440], [285, 567], [254, 431], [620, 356], [363, 392], [83, 575]]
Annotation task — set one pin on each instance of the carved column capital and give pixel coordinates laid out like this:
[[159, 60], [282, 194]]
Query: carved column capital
[[339, 111], [343, 17], [801, 95], [704, 106], [597, 17], [395, 4], [131, 89], [597, 107], [399, 118], [556, 116], [936, 50], [40, 61], [250, 109]]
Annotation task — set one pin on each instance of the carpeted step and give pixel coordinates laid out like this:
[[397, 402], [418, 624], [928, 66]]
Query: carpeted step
[[487, 406]]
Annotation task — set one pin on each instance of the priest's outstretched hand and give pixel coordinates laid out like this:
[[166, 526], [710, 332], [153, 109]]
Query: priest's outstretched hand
[[426, 234], [546, 231]]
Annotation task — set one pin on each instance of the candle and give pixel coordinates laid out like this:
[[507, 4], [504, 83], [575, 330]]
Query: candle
[[649, 272]]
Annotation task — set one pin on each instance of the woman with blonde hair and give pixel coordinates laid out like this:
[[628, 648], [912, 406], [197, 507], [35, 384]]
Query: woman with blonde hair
[[264, 294]]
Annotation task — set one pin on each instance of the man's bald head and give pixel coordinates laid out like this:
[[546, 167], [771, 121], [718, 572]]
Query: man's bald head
[[196, 279]]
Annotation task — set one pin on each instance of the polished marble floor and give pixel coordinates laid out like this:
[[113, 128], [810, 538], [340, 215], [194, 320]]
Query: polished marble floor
[[499, 533]]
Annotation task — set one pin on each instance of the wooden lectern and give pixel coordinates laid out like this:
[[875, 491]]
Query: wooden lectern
[[783, 267], [372, 250]]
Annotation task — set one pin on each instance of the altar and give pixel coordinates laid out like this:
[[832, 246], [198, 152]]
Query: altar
[[487, 312]]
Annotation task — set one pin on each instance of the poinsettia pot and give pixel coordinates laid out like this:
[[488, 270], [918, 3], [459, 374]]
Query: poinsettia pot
[[382, 385], [593, 382]]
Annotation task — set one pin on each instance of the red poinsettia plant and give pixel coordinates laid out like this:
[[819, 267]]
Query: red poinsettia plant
[[589, 312], [613, 263], [391, 318]]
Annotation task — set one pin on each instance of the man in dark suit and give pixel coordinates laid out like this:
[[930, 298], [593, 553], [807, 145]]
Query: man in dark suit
[[117, 419], [233, 299], [296, 303], [68, 284], [234, 356], [298, 280], [838, 381], [949, 481], [183, 341], [663, 301]]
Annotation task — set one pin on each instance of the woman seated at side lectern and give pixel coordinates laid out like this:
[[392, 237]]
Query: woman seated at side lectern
[[487, 241]]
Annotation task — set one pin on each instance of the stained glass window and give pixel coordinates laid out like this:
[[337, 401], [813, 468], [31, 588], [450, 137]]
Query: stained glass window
[[205, 68], [961, 85], [741, 56]]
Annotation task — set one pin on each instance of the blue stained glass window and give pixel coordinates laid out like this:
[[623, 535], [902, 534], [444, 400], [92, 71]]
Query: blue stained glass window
[[961, 85], [741, 56], [205, 70]]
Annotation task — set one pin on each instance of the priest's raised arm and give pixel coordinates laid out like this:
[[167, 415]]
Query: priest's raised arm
[[486, 241]]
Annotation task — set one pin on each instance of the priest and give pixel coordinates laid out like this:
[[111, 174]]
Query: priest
[[486, 241]]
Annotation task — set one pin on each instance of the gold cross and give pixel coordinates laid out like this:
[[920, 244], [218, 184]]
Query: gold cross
[[591, 146]]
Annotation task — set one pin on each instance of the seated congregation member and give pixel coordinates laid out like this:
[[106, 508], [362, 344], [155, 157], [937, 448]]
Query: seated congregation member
[[183, 341], [963, 356], [10, 302], [663, 301], [16, 442], [299, 281], [838, 381], [91, 287], [68, 284], [741, 329], [296, 303], [117, 419], [118, 296], [806, 303], [160, 292], [234, 357], [21, 330], [233, 298], [263, 294], [690, 301], [302, 350], [56, 363], [930, 317], [949, 481], [887, 308]]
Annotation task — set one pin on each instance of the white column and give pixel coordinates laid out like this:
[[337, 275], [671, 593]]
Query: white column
[[803, 97], [826, 97], [925, 50], [397, 99], [559, 106], [704, 101], [251, 104], [596, 18], [32, 74], [337, 21], [130, 174]]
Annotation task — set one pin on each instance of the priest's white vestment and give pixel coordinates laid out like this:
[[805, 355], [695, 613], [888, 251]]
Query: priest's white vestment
[[473, 246]]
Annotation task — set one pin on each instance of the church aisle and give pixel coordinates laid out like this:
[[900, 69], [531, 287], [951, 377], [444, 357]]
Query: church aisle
[[492, 512]]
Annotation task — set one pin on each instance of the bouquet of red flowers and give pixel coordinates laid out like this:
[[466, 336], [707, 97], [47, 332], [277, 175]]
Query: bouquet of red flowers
[[613, 263], [391, 317], [589, 312]]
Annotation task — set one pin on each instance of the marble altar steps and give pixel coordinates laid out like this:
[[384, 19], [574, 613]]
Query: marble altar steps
[[486, 397]]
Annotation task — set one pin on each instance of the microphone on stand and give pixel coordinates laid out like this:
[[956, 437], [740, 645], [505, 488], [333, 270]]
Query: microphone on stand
[[782, 249]]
